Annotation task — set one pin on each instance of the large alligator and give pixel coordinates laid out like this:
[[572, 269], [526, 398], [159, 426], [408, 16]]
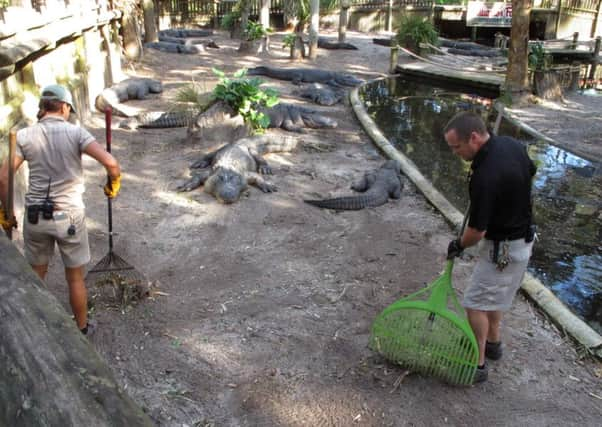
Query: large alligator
[[321, 94], [134, 88], [227, 172], [175, 47], [376, 186], [306, 75], [325, 43], [185, 33], [160, 119], [295, 118]]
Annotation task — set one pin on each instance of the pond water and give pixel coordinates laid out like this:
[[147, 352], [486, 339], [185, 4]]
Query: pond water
[[567, 258]]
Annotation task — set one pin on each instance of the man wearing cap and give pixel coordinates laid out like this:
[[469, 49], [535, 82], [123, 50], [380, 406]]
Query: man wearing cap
[[55, 211]]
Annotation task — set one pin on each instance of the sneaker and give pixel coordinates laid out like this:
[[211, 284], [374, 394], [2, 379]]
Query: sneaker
[[481, 374], [493, 350], [89, 329]]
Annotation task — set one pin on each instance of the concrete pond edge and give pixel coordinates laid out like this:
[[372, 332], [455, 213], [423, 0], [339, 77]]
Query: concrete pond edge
[[531, 286]]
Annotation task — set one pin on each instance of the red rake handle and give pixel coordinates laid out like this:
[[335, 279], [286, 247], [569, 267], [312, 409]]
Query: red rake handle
[[108, 114], [10, 207]]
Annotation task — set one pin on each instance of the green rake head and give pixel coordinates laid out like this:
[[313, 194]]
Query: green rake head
[[428, 332]]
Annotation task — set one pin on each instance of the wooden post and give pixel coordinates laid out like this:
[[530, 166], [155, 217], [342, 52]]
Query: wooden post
[[343, 20], [596, 22], [394, 58], [215, 14], [390, 16], [594, 63], [575, 38]]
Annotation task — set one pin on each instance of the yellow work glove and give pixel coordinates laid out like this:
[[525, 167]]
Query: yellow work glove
[[6, 223], [112, 187]]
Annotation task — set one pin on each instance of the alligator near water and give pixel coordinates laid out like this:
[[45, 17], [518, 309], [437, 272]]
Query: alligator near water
[[307, 75], [376, 188], [227, 172], [295, 118], [134, 88], [321, 94]]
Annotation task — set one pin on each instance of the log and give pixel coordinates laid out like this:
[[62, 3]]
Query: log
[[50, 375]]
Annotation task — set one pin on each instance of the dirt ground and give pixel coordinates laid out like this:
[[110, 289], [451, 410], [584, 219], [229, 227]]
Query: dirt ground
[[266, 305]]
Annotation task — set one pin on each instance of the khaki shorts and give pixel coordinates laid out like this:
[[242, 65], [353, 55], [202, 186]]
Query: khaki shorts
[[491, 289], [40, 238]]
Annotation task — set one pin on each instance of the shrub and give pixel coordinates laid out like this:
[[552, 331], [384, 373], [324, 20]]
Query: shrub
[[414, 30], [245, 96], [255, 31], [230, 20], [539, 59]]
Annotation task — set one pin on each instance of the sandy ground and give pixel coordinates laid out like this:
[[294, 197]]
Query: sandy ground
[[266, 305]]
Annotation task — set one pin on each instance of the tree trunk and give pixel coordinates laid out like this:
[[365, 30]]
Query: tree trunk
[[343, 18], [517, 76], [150, 27], [264, 13], [132, 45], [289, 10], [314, 28], [50, 375], [245, 11]]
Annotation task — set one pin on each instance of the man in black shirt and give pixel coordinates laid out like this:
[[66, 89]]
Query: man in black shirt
[[500, 222]]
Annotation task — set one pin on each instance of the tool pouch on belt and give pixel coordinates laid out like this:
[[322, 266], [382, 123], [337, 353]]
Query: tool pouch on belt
[[32, 214], [501, 254]]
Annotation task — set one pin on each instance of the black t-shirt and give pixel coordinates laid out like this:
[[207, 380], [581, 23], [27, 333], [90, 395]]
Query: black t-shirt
[[500, 189]]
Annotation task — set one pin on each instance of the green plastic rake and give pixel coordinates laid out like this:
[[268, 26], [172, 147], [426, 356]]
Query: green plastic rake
[[428, 332]]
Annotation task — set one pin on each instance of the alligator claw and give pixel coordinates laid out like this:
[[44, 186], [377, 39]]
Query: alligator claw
[[200, 164], [265, 170]]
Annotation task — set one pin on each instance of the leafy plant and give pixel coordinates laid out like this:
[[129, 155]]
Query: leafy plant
[[414, 30], [230, 19], [245, 96], [539, 58], [255, 31], [289, 40]]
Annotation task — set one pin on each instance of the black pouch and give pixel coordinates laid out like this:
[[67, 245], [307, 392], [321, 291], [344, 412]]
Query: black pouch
[[531, 233], [32, 214], [47, 209]]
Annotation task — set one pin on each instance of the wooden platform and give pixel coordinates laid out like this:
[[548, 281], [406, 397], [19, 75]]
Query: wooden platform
[[485, 80]]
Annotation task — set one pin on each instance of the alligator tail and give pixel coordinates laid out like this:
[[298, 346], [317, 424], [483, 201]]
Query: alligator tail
[[257, 71], [351, 203], [160, 119]]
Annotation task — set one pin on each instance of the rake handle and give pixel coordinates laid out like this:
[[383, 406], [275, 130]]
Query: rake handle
[[108, 114]]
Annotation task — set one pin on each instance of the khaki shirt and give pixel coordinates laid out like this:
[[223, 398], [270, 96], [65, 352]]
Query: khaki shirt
[[53, 149]]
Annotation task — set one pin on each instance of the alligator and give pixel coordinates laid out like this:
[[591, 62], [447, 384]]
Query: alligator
[[227, 172], [376, 186], [134, 88], [203, 43], [185, 33], [295, 118], [174, 47], [306, 75], [324, 43], [160, 119], [321, 94]]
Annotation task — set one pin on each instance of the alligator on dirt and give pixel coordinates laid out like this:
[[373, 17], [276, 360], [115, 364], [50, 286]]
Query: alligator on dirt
[[227, 172], [307, 75], [321, 94], [134, 88], [160, 119], [376, 186], [185, 33], [174, 47], [200, 44], [295, 118], [324, 43]]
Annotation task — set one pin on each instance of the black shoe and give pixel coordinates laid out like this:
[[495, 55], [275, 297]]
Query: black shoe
[[481, 374], [493, 350]]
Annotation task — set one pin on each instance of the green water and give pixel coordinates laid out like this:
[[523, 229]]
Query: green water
[[567, 258]]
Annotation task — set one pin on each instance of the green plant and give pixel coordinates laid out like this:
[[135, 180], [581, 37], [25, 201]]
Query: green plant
[[230, 19], [414, 30], [289, 40], [245, 96], [539, 58], [255, 31]]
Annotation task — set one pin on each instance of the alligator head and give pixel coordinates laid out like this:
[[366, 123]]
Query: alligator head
[[226, 185], [347, 80]]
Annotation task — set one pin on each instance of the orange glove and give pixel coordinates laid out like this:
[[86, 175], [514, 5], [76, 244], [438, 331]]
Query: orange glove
[[7, 223], [112, 187]]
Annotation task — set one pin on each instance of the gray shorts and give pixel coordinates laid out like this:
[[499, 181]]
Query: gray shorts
[[491, 289], [39, 239]]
